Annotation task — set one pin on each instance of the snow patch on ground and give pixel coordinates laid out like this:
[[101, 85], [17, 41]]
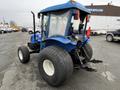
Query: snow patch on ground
[[109, 76]]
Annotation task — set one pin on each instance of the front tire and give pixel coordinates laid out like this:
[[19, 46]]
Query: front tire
[[55, 65], [23, 54]]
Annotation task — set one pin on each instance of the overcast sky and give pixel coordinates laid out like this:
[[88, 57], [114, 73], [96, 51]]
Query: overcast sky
[[19, 10]]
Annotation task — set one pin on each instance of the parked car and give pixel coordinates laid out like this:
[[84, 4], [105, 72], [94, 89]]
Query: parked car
[[8, 30], [98, 32], [30, 30], [24, 30], [5, 30], [113, 35]]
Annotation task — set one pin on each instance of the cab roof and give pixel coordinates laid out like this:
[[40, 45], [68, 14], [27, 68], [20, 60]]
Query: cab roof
[[68, 5]]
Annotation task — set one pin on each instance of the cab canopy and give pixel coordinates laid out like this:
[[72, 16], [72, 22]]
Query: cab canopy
[[65, 6]]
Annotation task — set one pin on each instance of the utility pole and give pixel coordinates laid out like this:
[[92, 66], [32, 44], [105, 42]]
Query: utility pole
[[3, 20]]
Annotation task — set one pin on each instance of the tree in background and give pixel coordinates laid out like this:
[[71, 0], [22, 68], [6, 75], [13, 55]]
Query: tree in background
[[14, 26]]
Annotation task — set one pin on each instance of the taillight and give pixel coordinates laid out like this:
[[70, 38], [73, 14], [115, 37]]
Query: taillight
[[88, 33], [87, 18]]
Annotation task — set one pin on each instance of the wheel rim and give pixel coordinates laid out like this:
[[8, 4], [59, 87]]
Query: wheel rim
[[2, 32], [48, 67], [20, 55], [109, 38]]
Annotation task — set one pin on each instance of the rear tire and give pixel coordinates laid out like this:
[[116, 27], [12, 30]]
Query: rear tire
[[109, 38], [59, 67], [23, 54]]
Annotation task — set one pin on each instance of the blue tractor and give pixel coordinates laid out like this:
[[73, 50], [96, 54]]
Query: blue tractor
[[62, 43]]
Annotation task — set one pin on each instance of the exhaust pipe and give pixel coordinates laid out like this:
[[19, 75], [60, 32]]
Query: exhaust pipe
[[34, 25]]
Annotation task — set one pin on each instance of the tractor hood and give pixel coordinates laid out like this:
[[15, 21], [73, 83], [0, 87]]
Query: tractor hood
[[68, 5]]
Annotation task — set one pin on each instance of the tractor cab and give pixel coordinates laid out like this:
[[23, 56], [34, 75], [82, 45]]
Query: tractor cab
[[62, 25]]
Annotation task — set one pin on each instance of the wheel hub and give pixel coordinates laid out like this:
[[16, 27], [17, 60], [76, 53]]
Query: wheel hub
[[48, 67], [109, 38], [20, 55]]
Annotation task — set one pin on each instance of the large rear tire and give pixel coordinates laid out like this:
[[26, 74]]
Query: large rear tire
[[23, 54], [55, 65]]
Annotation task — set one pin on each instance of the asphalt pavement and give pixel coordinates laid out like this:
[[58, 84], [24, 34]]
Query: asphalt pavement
[[16, 76]]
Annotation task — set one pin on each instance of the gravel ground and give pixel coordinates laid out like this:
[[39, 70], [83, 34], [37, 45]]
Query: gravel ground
[[16, 76]]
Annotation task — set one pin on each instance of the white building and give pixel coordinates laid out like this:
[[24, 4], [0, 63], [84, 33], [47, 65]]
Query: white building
[[104, 17]]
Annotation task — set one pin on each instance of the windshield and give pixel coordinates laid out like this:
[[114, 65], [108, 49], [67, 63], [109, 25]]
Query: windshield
[[58, 24]]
